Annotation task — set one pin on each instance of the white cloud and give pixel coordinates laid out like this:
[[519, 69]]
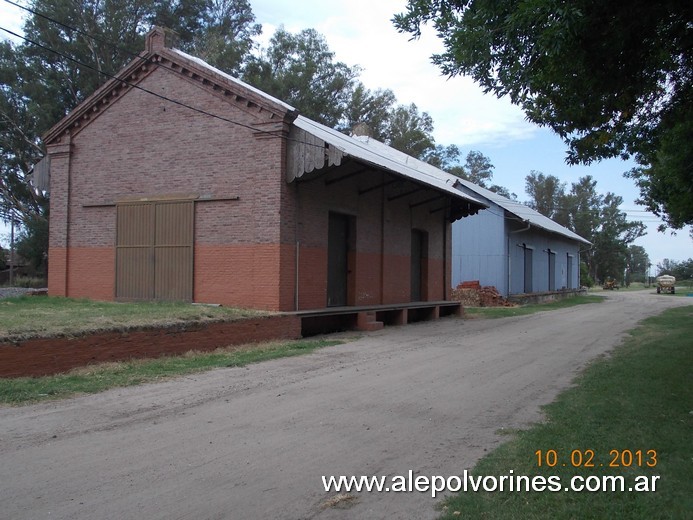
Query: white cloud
[[360, 32], [11, 18]]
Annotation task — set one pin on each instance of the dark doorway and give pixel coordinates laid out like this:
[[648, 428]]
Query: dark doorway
[[552, 271], [569, 268], [419, 248], [337, 259], [528, 268]]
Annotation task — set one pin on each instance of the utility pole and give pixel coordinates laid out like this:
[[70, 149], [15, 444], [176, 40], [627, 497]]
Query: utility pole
[[12, 252]]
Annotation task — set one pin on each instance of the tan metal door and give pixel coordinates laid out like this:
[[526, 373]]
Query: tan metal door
[[154, 250]]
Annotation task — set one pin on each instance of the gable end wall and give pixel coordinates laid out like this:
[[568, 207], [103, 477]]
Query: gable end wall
[[143, 146]]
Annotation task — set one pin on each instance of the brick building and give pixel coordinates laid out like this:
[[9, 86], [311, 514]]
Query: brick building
[[177, 181]]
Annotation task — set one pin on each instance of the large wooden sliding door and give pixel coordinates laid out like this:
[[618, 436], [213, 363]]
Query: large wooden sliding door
[[154, 250]]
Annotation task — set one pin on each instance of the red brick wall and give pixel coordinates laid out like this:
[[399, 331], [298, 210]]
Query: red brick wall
[[381, 262], [242, 275], [40, 357], [245, 249], [57, 271], [312, 293], [91, 273], [140, 146]]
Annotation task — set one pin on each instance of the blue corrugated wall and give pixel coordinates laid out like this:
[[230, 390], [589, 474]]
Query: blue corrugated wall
[[480, 252]]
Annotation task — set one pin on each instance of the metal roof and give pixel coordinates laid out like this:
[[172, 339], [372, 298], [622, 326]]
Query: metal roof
[[365, 149], [523, 212], [379, 154], [230, 78]]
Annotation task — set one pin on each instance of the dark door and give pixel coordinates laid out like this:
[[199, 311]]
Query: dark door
[[552, 271], [337, 259], [528, 270], [417, 257], [569, 268]]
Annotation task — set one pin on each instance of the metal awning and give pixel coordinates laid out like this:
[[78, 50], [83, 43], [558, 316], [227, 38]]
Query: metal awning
[[313, 146]]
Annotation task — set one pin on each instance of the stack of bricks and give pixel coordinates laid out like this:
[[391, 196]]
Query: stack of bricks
[[472, 294], [467, 293], [490, 297]]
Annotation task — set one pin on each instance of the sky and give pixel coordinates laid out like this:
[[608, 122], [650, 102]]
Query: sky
[[361, 33]]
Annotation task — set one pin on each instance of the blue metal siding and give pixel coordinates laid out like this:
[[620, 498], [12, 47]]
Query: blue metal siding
[[479, 249], [491, 248], [541, 242]]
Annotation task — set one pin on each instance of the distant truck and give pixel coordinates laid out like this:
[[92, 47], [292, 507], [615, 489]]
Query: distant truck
[[666, 284]]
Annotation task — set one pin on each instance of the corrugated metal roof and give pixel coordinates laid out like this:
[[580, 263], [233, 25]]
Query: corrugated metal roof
[[362, 148], [237, 81], [374, 152], [523, 212]]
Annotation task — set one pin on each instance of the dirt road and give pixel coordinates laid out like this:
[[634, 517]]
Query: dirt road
[[247, 443]]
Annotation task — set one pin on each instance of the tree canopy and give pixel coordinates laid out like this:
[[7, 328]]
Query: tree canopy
[[71, 48], [610, 78], [591, 215], [638, 265], [681, 270], [300, 70]]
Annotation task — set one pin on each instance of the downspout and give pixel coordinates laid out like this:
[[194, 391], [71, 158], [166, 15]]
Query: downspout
[[509, 263], [445, 258]]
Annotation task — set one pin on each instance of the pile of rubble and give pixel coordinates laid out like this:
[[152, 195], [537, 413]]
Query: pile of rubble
[[472, 294]]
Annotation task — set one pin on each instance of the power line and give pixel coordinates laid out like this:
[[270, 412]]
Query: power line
[[138, 87], [77, 30], [160, 96]]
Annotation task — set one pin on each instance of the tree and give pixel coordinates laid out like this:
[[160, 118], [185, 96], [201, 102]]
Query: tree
[[594, 217], [227, 39], [581, 207], [300, 70], [370, 107], [665, 183], [681, 270], [546, 193], [610, 78], [32, 245], [638, 264], [410, 131], [585, 278], [477, 168], [76, 46], [612, 238]]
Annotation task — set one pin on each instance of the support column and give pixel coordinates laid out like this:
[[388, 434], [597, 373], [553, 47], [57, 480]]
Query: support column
[[58, 237]]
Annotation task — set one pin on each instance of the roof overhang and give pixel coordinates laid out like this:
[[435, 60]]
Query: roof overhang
[[522, 213], [314, 146]]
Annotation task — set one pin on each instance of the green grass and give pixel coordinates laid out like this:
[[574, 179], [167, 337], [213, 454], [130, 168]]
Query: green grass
[[639, 398], [97, 378], [505, 312], [40, 316]]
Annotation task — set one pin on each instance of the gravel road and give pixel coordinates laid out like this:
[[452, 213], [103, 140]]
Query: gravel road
[[247, 443]]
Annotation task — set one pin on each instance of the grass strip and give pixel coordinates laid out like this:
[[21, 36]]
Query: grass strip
[[43, 316], [97, 378], [505, 312], [639, 398]]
